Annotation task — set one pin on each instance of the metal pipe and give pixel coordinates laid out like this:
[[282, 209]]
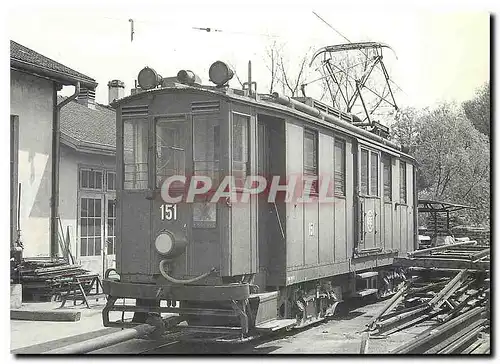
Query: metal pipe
[[287, 101], [56, 136], [249, 78], [442, 247], [105, 341], [183, 281]]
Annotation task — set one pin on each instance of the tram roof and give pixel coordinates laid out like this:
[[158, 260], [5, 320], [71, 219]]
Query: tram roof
[[262, 100]]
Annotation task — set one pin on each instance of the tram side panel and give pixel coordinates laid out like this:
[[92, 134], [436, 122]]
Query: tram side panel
[[326, 227], [313, 228]]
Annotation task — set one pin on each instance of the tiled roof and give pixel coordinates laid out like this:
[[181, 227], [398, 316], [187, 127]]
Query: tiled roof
[[86, 126], [24, 56]]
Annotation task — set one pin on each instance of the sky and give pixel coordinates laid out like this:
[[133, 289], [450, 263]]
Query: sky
[[442, 48]]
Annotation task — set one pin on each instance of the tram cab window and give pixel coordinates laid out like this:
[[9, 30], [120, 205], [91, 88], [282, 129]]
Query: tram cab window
[[171, 135], [135, 154], [402, 182], [206, 146], [387, 176], [240, 148]]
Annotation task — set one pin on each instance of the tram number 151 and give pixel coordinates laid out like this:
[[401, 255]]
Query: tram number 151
[[168, 212]]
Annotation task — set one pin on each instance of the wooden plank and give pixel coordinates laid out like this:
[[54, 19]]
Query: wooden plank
[[45, 315], [275, 325], [366, 275], [442, 263], [365, 292]]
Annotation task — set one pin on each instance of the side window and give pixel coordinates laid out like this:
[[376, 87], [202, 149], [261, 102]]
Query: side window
[[374, 174], [387, 176], [135, 154], [241, 154], [339, 168], [402, 182], [369, 173], [311, 156], [364, 172]]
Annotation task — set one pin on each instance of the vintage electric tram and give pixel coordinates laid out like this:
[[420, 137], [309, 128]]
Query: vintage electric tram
[[243, 268]]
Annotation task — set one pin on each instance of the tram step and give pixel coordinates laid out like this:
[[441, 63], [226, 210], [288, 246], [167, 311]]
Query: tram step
[[366, 275], [264, 306], [275, 325], [365, 292]]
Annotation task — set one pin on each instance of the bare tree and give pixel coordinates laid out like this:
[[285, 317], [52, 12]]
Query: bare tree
[[281, 72], [272, 56]]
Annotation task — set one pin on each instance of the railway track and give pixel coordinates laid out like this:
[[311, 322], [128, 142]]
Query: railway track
[[340, 335], [444, 310]]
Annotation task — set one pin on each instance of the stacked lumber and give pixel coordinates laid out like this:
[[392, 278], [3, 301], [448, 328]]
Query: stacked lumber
[[453, 299], [45, 280]]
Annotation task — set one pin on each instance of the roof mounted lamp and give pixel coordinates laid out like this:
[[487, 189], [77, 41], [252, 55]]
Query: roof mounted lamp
[[188, 77], [220, 73], [148, 78]]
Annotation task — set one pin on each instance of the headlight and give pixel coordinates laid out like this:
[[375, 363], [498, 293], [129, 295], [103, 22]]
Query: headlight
[[148, 78], [164, 243], [187, 77], [170, 245], [220, 73]]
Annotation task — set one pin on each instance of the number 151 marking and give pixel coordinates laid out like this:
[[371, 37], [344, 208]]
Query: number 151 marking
[[168, 212]]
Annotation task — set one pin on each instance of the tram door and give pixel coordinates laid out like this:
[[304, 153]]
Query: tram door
[[270, 216], [369, 201]]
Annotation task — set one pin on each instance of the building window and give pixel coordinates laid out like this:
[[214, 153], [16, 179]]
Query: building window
[[402, 182], [90, 225], [171, 139], [91, 179], [97, 220], [135, 154], [339, 168], [387, 175], [311, 157], [364, 172], [374, 174], [111, 181], [206, 146]]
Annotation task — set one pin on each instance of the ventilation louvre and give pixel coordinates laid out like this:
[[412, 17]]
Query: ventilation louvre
[[205, 106], [332, 111], [325, 108], [134, 111]]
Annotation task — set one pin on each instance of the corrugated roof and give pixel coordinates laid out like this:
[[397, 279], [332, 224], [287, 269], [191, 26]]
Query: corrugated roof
[[87, 126], [23, 56]]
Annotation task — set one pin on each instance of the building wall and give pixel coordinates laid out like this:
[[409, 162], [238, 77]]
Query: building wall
[[32, 100], [69, 199]]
